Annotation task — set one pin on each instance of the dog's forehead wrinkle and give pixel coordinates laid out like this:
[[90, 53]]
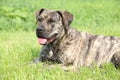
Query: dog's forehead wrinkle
[[45, 15]]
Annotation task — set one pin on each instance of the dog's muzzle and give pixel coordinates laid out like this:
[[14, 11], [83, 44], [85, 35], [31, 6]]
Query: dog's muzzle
[[43, 37]]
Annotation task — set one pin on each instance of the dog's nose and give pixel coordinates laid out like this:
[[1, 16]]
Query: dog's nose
[[40, 29]]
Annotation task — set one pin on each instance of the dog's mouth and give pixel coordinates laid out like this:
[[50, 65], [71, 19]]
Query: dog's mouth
[[43, 41]]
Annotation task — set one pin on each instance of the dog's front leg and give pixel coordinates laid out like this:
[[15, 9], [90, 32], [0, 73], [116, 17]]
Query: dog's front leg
[[45, 54]]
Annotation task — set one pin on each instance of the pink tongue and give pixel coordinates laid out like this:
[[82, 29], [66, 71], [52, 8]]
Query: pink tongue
[[42, 40]]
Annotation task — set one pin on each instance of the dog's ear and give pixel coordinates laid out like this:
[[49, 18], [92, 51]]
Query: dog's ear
[[67, 18], [38, 13]]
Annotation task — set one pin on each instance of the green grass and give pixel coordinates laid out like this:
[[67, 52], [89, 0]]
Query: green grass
[[17, 50], [18, 42]]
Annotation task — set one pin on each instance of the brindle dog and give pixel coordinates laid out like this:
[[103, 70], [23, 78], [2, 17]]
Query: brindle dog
[[67, 46]]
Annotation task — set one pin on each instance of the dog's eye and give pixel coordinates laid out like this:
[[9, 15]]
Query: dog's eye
[[40, 19], [51, 20]]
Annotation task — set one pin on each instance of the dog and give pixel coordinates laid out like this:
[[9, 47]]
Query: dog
[[69, 47]]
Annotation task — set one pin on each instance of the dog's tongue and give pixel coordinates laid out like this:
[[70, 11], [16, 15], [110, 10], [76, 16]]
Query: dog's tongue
[[42, 40]]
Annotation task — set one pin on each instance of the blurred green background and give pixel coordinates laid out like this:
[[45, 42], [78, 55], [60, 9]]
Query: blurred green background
[[89, 15]]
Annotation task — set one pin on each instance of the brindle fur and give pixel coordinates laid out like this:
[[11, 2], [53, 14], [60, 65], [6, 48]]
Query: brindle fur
[[72, 47]]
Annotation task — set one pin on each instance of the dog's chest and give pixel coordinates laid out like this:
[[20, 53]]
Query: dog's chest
[[64, 52], [62, 55]]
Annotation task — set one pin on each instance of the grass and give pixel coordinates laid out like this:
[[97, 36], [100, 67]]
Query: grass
[[20, 49], [18, 42]]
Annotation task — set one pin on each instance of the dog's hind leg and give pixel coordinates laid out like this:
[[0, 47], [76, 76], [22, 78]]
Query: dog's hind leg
[[116, 59]]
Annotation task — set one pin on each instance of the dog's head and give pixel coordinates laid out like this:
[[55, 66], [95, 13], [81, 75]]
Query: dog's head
[[51, 23]]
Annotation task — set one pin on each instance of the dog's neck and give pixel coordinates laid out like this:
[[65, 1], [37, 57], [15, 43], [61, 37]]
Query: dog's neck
[[62, 37]]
